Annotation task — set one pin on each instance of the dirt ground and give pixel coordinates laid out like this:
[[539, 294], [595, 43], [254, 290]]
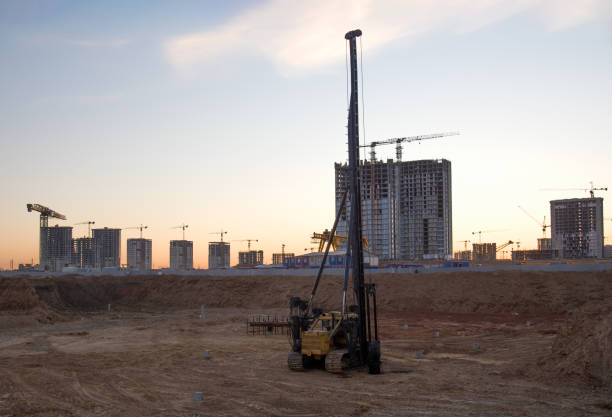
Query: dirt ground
[[62, 353]]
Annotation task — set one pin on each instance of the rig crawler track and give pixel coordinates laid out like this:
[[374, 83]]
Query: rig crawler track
[[337, 361], [295, 361]]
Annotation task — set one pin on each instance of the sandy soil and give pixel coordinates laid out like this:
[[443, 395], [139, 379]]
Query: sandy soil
[[62, 353]]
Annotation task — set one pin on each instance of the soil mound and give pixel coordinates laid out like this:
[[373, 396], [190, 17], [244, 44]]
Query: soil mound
[[17, 295], [461, 292], [583, 349], [19, 298]]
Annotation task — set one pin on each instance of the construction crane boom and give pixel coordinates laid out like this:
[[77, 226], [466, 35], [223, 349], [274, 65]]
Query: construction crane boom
[[505, 245], [543, 223], [45, 213], [141, 228], [182, 226], [590, 190], [88, 223], [398, 142], [337, 240], [465, 242], [480, 232], [221, 233], [247, 240]]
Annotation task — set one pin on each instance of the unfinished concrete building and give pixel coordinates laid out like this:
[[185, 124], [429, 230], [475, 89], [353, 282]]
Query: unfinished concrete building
[[83, 252], [218, 255], [181, 255], [406, 209], [463, 255], [107, 246], [534, 255], [55, 247], [139, 253], [484, 252], [279, 258], [250, 258], [577, 227], [544, 243]]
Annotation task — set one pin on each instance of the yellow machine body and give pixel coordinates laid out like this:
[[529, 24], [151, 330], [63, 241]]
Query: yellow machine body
[[320, 338]]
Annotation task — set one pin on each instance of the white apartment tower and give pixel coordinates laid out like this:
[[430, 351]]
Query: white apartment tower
[[181, 255], [139, 254]]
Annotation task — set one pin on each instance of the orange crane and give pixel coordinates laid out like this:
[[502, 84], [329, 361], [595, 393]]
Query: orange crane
[[249, 242], [398, 155], [88, 223], [590, 190], [337, 241], [45, 213], [182, 226], [141, 228], [543, 224]]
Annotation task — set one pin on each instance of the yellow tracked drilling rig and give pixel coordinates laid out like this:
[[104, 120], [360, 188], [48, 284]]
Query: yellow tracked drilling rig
[[341, 339]]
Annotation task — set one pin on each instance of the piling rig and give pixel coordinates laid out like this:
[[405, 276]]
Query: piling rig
[[348, 338]]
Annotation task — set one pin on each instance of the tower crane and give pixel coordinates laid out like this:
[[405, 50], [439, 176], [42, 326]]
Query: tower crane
[[505, 245], [337, 240], [88, 223], [543, 223], [246, 240], [141, 228], [480, 232], [398, 155], [398, 143], [221, 233], [590, 190], [45, 213], [182, 226], [465, 242]]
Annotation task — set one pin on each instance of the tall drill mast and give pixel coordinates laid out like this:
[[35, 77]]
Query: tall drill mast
[[355, 232]]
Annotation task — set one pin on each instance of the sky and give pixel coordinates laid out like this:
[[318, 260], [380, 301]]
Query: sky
[[230, 115]]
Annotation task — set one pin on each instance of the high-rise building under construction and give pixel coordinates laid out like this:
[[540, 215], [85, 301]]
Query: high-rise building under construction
[[406, 208], [139, 256], [218, 255], [577, 227], [181, 255], [107, 247], [55, 247], [83, 252]]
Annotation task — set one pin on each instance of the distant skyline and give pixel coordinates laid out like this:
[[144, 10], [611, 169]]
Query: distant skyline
[[230, 115]]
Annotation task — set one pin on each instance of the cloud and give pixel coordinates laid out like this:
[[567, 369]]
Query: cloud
[[299, 36]]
